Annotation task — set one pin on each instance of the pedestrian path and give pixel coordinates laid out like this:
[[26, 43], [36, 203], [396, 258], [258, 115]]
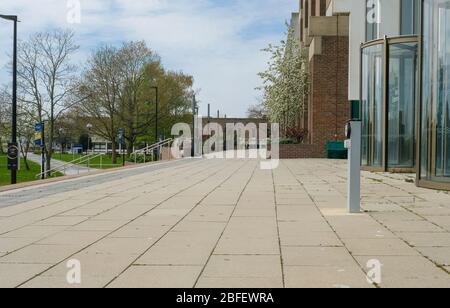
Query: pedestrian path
[[227, 223]]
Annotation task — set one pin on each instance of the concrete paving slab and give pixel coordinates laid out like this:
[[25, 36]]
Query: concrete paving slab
[[15, 274], [40, 254], [317, 256], [426, 239], [408, 272], [240, 283], [439, 255], [235, 266], [158, 277], [379, 247], [325, 277]]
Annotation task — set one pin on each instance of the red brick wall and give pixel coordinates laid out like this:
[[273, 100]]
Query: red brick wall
[[329, 80], [290, 151]]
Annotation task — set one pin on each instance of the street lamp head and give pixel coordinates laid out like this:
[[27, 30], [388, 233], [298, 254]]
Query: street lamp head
[[9, 17], [89, 126]]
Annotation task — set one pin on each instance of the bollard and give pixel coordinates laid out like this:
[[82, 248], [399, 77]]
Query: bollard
[[353, 144]]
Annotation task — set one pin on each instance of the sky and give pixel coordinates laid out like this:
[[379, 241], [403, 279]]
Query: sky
[[218, 42]]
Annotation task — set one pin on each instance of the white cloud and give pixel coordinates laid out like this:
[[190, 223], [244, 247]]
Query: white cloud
[[217, 41]]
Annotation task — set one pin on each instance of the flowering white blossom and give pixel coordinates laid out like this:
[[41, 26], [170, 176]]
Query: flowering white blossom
[[286, 82]]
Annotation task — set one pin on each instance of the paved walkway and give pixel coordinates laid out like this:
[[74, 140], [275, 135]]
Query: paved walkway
[[226, 223], [69, 169]]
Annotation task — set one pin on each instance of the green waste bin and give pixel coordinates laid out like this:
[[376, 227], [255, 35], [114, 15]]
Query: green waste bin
[[336, 150]]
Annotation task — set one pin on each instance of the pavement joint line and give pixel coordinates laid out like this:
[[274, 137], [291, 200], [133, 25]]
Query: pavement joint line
[[278, 228], [414, 213], [413, 247], [329, 224], [180, 220], [420, 216], [225, 227], [93, 243], [69, 227]]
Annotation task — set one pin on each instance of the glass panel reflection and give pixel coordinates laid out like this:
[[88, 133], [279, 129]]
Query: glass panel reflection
[[372, 106], [436, 91], [401, 104]]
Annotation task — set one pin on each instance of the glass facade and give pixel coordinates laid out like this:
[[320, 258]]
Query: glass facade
[[435, 120], [372, 105], [410, 17], [402, 104]]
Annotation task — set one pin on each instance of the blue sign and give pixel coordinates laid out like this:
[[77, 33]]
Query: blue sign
[[38, 134], [121, 132]]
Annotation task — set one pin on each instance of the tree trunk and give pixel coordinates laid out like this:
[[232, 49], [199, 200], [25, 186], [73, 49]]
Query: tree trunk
[[114, 154], [25, 161], [130, 148], [24, 151]]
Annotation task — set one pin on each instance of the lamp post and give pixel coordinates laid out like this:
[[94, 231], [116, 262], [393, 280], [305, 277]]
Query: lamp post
[[194, 112], [61, 131], [89, 128], [156, 119], [13, 18]]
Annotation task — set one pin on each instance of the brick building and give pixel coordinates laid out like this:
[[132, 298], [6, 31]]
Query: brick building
[[327, 41]]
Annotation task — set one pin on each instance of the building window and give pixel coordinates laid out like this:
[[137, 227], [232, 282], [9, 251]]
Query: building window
[[435, 122], [372, 20], [409, 17]]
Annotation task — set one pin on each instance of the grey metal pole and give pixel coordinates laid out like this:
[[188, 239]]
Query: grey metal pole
[[194, 107], [43, 151], [354, 168]]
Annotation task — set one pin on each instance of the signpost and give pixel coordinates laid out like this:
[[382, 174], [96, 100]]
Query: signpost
[[38, 134], [121, 132], [39, 140], [13, 156], [353, 144]]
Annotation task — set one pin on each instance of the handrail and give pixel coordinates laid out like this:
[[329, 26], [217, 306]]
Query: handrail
[[150, 148], [153, 146], [77, 161]]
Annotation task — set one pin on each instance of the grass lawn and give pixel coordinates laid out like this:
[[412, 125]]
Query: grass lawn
[[23, 175], [103, 162]]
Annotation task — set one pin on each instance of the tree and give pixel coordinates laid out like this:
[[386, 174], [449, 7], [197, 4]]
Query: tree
[[133, 59], [25, 127], [257, 112], [285, 82], [118, 86], [101, 86], [5, 117], [46, 78], [175, 92]]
